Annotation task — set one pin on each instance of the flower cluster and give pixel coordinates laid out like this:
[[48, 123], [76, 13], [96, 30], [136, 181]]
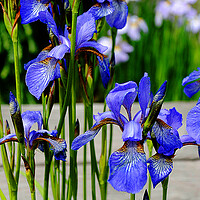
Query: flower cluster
[[128, 165]]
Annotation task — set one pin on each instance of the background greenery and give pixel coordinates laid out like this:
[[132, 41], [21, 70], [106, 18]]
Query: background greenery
[[168, 53]]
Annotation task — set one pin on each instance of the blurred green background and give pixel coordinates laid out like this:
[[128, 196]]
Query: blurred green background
[[168, 53]]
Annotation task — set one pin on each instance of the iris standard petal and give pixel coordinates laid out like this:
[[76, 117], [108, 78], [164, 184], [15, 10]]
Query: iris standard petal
[[39, 75], [85, 28], [192, 77], [132, 131], [118, 18], [192, 123], [166, 137], [159, 168], [31, 117], [192, 88], [128, 169], [174, 118], [100, 10], [104, 70], [8, 138], [30, 10], [144, 93], [122, 94]]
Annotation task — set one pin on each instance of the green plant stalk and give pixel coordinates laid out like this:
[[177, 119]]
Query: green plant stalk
[[63, 190], [85, 157], [150, 148], [132, 196], [103, 161], [165, 187], [12, 186]]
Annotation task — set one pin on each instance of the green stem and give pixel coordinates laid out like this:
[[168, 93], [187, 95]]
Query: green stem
[[165, 187], [85, 157], [132, 196]]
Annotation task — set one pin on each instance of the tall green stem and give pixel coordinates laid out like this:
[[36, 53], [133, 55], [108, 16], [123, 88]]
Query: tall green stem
[[132, 196], [165, 187]]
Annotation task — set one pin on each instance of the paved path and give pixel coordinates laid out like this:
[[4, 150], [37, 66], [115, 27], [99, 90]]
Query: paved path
[[184, 180]]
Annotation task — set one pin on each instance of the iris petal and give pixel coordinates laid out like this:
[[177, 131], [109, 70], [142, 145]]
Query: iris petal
[[8, 138], [118, 18], [132, 131], [128, 169], [192, 88], [59, 51], [85, 28], [101, 10], [192, 77], [122, 94], [192, 123], [166, 137], [144, 92], [31, 117], [159, 168], [30, 10], [39, 75]]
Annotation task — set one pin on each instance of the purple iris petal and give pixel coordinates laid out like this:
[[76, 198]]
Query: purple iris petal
[[122, 94], [186, 139], [85, 28], [160, 93], [8, 138], [104, 70], [33, 136], [144, 93], [41, 56], [101, 10], [59, 51], [192, 88], [95, 45], [159, 168], [83, 139], [39, 75], [118, 18], [30, 10], [192, 123], [128, 169], [46, 17], [167, 137], [174, 118], [31, 117], [192, 77], [132, 131]]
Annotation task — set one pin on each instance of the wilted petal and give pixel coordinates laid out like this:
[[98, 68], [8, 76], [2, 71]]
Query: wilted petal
[[30, 10], [13, 103], [167, 137], [159, 168], [100, 10], [31, 117], [192, 123], [118, 18], [104, 70], [8, 138], [128, 169], [132, 131], [39, 75], [122, 94], [144, 93], [85, 28]]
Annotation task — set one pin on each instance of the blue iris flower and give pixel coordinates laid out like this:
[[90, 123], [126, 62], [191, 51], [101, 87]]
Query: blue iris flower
[[115, 11], [192, 83], [128, 165], [33, 138]]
